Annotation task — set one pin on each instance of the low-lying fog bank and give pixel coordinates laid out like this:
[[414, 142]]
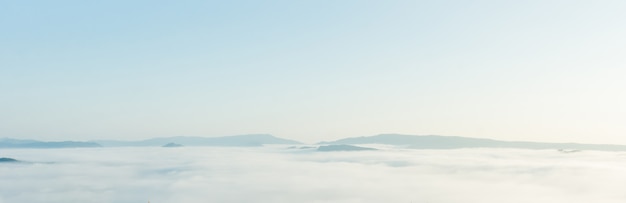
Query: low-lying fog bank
[[279, 174]]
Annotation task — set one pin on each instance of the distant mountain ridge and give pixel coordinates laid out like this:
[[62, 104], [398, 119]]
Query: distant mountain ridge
[[252, 140], [454, 142], [17, 143], [343, 147], [234, 140], [171, 144]]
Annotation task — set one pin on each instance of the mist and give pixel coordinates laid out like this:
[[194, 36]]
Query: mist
[[277, 174]]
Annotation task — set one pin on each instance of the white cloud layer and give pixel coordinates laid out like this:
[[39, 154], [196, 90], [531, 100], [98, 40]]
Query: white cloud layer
[[277, 175]]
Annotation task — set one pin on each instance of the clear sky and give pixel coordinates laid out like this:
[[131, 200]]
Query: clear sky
[[313, 70]]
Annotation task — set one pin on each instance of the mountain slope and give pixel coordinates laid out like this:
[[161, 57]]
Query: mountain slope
[[342, 147], [236, 140], [16, 143], [453, 142]]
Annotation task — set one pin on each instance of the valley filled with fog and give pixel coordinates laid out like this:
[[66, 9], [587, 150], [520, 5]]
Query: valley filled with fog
[[277, 174]]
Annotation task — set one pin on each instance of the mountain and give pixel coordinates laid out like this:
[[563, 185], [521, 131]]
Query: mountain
[[17, 143], [8, 160], [342, 147], [235, 140], [171, 144], [454, 142]]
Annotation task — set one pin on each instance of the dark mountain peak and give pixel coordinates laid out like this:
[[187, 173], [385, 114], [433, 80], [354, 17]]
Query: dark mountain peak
[[8, 160]]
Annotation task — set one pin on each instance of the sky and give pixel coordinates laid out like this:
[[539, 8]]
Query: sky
[[264, 174], [313, 70]]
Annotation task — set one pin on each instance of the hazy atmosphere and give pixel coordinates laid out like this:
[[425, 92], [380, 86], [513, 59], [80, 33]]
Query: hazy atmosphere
[[312, 101], [313, 70]]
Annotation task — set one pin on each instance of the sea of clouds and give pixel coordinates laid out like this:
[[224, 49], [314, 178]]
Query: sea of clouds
[[277, 174]]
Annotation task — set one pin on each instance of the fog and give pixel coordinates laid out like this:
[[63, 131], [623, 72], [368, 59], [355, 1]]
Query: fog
[[277, 174]]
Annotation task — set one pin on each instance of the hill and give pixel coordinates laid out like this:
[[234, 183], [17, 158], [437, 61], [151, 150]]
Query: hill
[[342, 147], [171, 144], [235, 140], [454, 142], [8, 160], [17, 143]]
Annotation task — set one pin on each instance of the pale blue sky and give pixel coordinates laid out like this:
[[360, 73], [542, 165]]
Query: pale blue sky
[[313, 70]]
